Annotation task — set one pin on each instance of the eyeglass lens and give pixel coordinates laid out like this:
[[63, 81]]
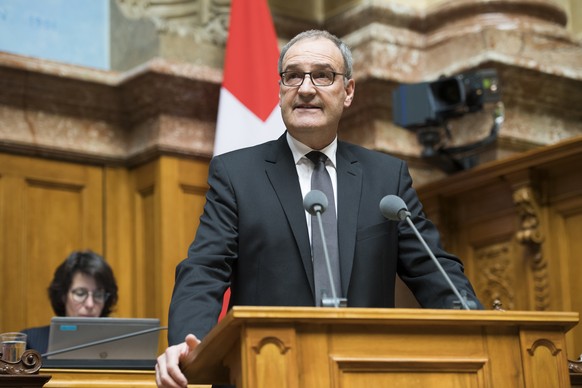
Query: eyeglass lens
[[81, 294], [318, 78]]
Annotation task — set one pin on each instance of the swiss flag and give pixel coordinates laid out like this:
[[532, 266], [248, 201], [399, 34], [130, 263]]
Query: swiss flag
[[248, 111]]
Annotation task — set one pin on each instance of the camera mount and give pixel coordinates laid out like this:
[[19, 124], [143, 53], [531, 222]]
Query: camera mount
[[427, 108]]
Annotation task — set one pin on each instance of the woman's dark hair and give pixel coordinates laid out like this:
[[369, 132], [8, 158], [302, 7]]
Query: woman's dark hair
[[88, 263]]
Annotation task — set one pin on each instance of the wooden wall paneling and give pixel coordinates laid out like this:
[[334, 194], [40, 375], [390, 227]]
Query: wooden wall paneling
[[51, 218], [144, 191], [565, 249], [573, 272], [496, 276], [3, 255], [120, 231], [183, 197], [193, 186], [563, 190], [170, 237], [518, 225], [52, 209], [12, 275], [439, 210], [171, 250], [167, 198], [478, 226]]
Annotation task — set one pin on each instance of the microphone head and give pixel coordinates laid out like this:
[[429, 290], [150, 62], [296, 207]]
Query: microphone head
[[394, 208], [315, 201]]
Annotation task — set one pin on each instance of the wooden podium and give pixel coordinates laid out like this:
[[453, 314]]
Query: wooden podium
[[259, 347]]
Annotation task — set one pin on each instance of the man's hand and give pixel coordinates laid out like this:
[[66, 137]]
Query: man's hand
[[168, 373]]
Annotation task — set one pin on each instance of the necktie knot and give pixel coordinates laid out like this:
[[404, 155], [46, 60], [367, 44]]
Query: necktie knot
[[316, 157]]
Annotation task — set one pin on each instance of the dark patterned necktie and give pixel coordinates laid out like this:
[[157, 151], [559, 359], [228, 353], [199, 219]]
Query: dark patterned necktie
[[320, 180]]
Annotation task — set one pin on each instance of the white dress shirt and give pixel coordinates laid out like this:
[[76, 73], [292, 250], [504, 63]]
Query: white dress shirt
[[305, 167]]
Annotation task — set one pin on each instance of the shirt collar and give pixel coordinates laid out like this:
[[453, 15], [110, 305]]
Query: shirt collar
[[299, 149]]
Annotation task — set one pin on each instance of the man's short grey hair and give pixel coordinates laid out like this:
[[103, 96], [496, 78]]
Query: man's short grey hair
[[314, 34]]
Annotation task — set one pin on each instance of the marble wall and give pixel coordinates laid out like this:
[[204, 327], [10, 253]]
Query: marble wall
[[168, 104]]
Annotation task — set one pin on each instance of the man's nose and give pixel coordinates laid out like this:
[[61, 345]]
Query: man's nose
[[307, 86]]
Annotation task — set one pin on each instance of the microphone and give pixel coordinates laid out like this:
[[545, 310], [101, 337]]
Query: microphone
[[103, 341], [315, 203], [394, 209]]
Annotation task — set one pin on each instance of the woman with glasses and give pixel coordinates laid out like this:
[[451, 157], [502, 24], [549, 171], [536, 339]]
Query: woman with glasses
[[82, 286]]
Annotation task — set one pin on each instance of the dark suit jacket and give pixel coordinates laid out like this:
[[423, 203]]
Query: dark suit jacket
[[37, 338], [253, 237]]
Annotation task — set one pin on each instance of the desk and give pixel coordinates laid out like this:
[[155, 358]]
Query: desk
[[102, 378], [23, 381], [309, 347]]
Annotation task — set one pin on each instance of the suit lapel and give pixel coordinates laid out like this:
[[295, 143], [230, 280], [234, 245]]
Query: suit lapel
[[279, 166], [349, 183]]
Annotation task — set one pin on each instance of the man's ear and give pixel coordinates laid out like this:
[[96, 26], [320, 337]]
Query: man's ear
[[350, 89]]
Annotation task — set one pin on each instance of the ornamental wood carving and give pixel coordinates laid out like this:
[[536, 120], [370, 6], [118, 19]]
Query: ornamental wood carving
[[494, 280], [29, 364], [532, 238]]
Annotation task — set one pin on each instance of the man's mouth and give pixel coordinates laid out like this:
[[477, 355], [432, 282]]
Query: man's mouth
[[303, 106]]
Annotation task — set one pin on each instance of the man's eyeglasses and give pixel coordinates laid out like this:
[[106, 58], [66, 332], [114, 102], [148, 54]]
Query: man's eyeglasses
[[318, 78], [81, 294]]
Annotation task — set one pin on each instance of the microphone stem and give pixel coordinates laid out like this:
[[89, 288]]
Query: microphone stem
[[326, 255], [438, 264]]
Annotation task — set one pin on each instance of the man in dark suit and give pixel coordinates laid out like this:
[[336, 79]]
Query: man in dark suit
[[254, 234]]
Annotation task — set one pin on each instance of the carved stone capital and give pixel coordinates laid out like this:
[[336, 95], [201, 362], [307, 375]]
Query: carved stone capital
[[201, 20]]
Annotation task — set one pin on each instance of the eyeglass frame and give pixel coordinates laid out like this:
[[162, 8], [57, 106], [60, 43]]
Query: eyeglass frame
[[98, 300], [335, 74]]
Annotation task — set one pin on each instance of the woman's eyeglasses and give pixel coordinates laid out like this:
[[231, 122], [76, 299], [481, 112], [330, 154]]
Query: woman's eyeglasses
[[81, 294]]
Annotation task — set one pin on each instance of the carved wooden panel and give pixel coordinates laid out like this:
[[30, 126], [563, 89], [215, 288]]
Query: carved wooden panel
[[565, 251], [442, 372], [49, 209], [516, 224], [146, 238], [272, 356], [141, 219], [166, 198], [495, 275], [3, 262], [541, 351], [357, 347]]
